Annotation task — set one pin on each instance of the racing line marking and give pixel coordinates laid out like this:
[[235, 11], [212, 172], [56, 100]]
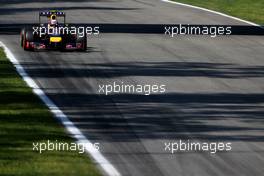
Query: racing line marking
[[70, 127], [212, 11]]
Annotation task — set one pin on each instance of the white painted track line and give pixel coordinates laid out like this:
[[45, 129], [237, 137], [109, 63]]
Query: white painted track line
[[70, 127], [211, 11]]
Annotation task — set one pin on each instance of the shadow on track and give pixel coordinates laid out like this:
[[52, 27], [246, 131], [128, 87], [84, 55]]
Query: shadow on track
[[170, 116], [4, 2], [128, 117], [140, 28], [4, 11], [165, 69]]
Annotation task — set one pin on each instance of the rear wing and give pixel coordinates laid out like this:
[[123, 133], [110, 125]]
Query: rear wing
[[52, 12], [49, 13]]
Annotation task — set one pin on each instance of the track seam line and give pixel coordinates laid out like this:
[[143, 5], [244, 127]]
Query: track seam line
[[212, 11], [54, 109]]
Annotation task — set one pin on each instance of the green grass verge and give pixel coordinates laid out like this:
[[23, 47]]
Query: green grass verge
[[24, 120], [251, 10]]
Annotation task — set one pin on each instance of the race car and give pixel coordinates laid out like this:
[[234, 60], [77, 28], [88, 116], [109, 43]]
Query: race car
[[53, 34]]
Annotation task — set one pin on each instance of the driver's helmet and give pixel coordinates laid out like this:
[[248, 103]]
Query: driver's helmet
[[53, 20]]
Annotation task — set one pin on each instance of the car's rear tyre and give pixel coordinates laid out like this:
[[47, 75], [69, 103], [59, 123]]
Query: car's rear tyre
[[26, 38], [22, 34]]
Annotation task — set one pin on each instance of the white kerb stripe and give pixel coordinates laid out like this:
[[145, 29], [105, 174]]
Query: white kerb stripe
[[70, 127], [212, 11]]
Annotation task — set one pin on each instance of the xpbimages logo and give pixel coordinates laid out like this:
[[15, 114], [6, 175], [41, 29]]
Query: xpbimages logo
[[123, 88], [65, 30], [62, 146], [212, 31]]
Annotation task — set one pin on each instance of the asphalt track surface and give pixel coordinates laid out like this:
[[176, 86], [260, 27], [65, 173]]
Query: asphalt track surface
[[214, 87]]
